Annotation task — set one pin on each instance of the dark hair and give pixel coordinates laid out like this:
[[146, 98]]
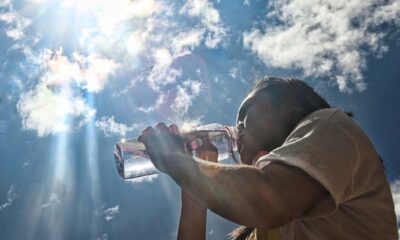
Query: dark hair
[[293, 93]]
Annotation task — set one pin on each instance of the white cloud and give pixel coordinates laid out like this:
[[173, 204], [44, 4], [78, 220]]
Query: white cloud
[[97, 72], [328, 38], [10, 197], [109, 126], [186, 93], [160, 100], [15, 23], [161, 76], [185, 42], [55, 101], [91, 72], [48, 111], [136, 42], [163, 58], [209, 17], [110, 213]]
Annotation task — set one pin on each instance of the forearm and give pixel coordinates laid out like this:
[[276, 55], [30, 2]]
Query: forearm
[[192, 223], [234, 192]]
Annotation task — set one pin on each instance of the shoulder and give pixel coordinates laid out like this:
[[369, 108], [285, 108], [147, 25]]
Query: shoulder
[[327, 123]]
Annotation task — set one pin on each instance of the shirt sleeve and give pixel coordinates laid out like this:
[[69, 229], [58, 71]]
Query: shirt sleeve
[[324, 150]]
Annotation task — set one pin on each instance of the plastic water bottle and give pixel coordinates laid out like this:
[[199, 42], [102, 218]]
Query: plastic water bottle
[[132, 160]]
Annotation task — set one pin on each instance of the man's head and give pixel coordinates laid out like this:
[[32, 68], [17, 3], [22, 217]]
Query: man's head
[[270, 112]]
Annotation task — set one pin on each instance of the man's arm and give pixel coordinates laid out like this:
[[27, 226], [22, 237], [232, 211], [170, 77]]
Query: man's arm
[[266, 198], [193, 219], [192, 222]]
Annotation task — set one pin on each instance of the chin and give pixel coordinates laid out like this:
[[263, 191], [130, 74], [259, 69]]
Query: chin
[[246, 160]]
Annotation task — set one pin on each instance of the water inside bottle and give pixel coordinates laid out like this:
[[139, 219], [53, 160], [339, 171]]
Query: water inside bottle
[[220, 140], [138, 166], [132, 161]]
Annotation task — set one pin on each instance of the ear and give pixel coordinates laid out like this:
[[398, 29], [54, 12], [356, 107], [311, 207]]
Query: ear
[[295, 115]]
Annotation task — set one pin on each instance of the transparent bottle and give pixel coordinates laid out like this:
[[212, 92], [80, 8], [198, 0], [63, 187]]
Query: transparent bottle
[[132, 161]]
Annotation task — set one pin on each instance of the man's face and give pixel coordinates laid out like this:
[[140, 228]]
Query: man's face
[[261, 126]]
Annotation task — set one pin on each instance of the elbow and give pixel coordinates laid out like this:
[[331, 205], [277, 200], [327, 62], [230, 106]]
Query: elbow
[[268, 213], [269, 218]]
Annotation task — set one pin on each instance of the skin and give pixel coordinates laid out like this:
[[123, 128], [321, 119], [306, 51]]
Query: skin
[[261, 198]]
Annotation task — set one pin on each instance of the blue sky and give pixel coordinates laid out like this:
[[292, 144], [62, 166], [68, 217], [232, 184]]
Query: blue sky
[[78, 76]]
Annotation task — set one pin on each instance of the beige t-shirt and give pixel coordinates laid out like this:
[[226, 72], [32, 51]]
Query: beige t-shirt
[[333, 150]]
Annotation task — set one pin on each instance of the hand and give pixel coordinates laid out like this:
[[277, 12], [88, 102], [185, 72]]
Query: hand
[[203, 148], [160, 143]]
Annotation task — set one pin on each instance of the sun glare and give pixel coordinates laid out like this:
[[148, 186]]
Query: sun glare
[[109, 13]]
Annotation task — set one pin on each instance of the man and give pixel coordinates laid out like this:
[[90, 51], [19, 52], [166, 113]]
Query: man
[[308, 172]]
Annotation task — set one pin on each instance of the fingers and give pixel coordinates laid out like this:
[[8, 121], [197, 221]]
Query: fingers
[[146, 132], [159, 128], [174, 129]]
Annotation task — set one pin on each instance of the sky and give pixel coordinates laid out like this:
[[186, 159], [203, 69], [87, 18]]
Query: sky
[[78, 76]]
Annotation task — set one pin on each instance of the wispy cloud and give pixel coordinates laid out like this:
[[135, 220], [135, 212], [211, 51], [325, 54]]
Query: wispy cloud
[[54, 199], [16, 24], [186, 93], [162, 73], [160, 100], [110, 127], [185, 42], [109, 213], [324, 38], [10, 197], [234, 72], [210, 19]]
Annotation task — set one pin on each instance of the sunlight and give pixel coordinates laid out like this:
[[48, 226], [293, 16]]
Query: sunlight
[[92, 168], [109, 13], [61, 189], [56, 189], [135, 43]]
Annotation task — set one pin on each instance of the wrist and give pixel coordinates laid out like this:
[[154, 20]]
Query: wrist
[[176, 164]]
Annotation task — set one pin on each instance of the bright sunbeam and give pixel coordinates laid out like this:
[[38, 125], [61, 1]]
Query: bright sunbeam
[[91, 159], [61, 188], [57, 188], [109, 13]]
